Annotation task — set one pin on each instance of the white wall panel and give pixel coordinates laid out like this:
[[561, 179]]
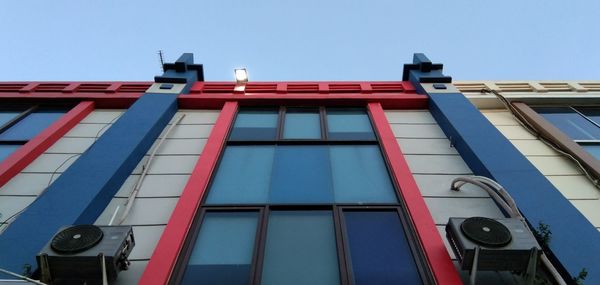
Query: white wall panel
[[575, 186]]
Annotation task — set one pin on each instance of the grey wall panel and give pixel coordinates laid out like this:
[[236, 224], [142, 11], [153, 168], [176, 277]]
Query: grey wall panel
[[169, 164], [102, 116], [146, 238], [188, 132], [161, 185], [71, 145], [417, 131], [87, 130], [133, 274], [145, 211], [426, 146], [51, 163], [180, 146], [409, 117], [443, 208], [27, 184], [437, 164], [199, 117], [439, 186]]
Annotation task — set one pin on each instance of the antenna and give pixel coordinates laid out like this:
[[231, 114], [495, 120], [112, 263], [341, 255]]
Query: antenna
[[162, 60]]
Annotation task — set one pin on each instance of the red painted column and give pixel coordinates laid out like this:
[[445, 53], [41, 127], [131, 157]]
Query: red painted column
[[165, 254], [438, 258], [23, 156]]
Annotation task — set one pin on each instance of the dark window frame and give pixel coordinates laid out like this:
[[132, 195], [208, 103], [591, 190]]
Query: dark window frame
[[550, 132], [337, 209], [25, 110]]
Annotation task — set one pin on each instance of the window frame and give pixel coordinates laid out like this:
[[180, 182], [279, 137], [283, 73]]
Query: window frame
[[550, 132], [417, 251]]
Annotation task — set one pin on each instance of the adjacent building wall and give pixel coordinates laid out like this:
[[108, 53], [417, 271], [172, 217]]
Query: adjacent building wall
[[560, 171]]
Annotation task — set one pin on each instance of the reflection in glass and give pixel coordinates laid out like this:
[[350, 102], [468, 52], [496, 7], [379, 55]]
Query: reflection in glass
[[223, 250], [300, 249]]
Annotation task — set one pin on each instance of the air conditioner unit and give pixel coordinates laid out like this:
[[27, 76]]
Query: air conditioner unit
[[504, 244], [75, 255]]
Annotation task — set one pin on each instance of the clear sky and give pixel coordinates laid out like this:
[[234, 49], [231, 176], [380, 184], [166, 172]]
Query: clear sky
[[300, 40]]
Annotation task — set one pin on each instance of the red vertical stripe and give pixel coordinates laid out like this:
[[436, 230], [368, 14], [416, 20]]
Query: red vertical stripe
[[437, 256], [165, 255], [17, 161]]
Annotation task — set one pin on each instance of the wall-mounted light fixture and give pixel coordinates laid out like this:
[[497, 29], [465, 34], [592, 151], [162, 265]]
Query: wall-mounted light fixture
[[241, 75]]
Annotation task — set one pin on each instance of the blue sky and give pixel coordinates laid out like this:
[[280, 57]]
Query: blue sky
[[300, 40]]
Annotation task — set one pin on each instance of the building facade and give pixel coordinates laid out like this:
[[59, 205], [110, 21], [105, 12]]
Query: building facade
[[299, 182]]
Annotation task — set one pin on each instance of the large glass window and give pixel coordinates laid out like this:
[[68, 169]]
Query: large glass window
[[310, 201], [18, 125], [581, 124]]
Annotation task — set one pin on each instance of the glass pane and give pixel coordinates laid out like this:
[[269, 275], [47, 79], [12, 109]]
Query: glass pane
[[300, 249], [301, 174], [6, 150], [255, 125], [31, 125], [593, 113], [6, 116], [243, 175], [594, 150], [570, 123], [223, 250], [302, 124], [379, 251], [349, 124], [360, 175]]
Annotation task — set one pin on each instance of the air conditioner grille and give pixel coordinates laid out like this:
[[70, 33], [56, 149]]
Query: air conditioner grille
[[76, 239], [486, 231]]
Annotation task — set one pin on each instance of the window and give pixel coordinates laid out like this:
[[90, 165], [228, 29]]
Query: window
[[581, 124], [19, 125], [301, 195]]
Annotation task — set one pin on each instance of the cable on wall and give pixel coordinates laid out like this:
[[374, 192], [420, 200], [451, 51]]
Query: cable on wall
[[145, 169]]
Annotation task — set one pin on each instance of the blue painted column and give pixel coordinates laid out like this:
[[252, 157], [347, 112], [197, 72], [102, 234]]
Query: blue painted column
[[84, 190], [575, 242]]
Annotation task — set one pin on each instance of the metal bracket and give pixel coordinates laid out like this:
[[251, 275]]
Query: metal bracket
[[531, 266], [473, 271]]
